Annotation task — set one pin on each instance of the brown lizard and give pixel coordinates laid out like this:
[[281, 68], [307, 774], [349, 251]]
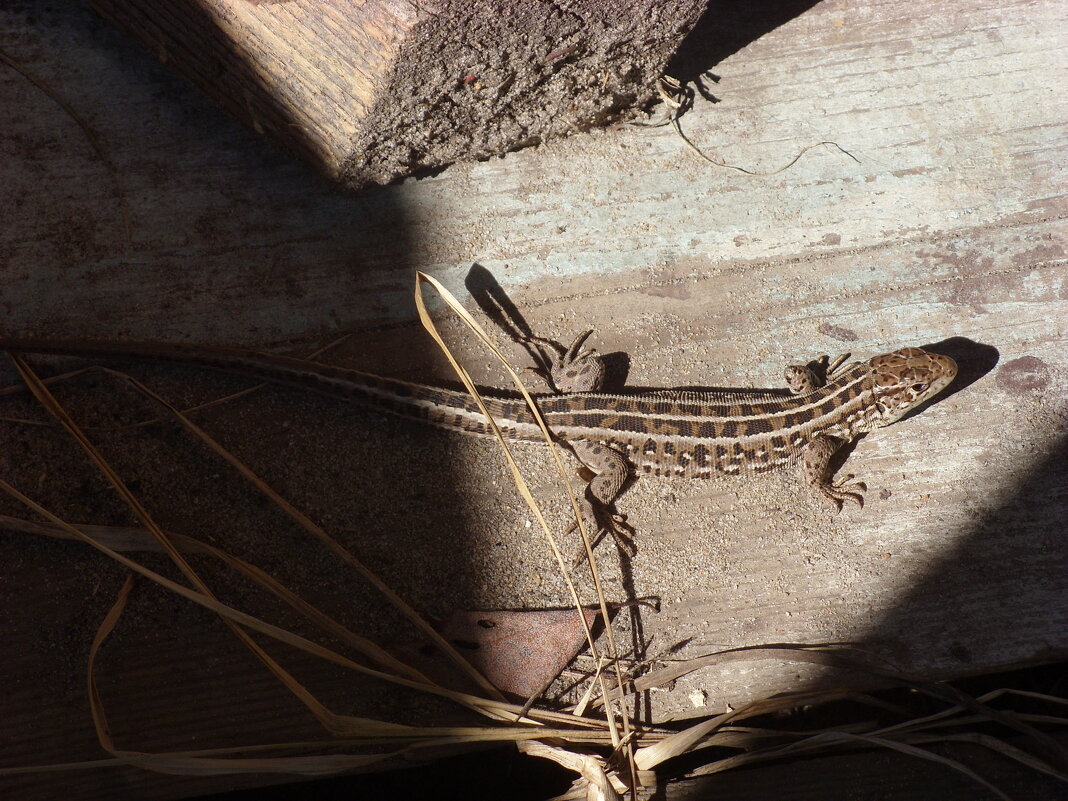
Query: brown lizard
[[692, 434]]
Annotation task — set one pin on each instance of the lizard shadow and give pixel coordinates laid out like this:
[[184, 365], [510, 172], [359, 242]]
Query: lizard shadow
[[493, 301], [974, 361], [727, 27]]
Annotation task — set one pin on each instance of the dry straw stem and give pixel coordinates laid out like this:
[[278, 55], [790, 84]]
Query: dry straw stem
[[329, 719], [342, 724], [371, 732], [619, 738], [315, 530], [679, 99], [359, 730], [517, 476], [54, 379], [136, 539], [596, 783], [567, 733], [703, 734], [498, 709], [90, 135]]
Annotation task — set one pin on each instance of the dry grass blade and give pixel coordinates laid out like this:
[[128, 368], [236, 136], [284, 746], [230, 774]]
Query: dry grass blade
[[305, 522], [600, 785], [134, 539], [839, 657], [830, 739], [998, 745], [678, 743], [230, 614], [517, 476], [330, 720], [90, 135], [591, 731], [215, 761], [315, 530], [524, 490], [903, 737], [96, 706], [1054, 751], [828, 654], [704, 734], [1049, 699], [679, 99], [53, 379], [909, 750], [199, 765]]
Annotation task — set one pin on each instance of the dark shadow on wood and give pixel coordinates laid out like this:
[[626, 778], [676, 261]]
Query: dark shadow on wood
[[725, 28], [876, 774], [494, 302], [249, 247], [1012, 558]]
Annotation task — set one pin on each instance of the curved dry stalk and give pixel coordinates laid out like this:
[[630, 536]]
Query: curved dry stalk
[[87, 130], [618, 738], [333, 545], [135, 539]]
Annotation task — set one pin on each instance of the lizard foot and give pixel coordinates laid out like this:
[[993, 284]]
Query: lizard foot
[[573, 369], [623, 534], [844, 490]]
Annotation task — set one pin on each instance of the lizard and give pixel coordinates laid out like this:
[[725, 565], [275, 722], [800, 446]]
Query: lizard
[[685, 433]]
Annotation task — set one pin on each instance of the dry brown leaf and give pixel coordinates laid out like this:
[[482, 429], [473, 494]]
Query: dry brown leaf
[[522, 651]]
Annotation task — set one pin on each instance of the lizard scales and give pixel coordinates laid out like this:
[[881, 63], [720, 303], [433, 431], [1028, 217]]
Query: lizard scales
[[690, 434]]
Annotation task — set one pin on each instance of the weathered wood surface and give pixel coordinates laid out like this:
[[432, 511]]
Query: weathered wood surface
[[898, 777], [951, 225], [375, 91]]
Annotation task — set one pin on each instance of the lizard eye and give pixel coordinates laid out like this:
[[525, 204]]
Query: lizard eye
[[918, 388]]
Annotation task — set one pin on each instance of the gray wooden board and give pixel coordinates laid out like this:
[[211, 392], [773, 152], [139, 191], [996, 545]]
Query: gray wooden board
[[950, 226], [898, 777]]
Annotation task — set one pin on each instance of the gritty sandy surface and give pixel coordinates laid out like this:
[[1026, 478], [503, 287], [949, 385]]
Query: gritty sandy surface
[[947, 231]]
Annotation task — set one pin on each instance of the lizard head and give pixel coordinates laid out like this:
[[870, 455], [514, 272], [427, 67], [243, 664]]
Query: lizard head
[[906, 378]]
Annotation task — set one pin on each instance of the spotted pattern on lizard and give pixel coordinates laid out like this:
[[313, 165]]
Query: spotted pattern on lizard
[[688, 434]]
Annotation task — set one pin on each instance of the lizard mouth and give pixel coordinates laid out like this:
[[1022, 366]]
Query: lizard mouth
[[941, 371]]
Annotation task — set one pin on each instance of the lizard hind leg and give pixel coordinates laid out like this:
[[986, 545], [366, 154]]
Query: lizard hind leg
[[573, 369], [610, 469]]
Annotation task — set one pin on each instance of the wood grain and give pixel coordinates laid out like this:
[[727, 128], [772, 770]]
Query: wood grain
[[370, 92]]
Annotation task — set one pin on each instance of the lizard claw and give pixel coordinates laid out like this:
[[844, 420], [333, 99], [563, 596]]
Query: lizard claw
[[845, 490], [541, 373], [571, 369], [623, 535]]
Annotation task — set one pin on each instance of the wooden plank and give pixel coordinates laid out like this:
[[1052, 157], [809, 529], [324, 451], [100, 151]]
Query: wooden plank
[[898, 777], [375, 91], [952, 225]]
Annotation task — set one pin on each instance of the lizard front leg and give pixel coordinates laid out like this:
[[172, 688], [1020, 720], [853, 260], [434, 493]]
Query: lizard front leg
[[805, 378], [572, 369], [576, 369], [816, 462]]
